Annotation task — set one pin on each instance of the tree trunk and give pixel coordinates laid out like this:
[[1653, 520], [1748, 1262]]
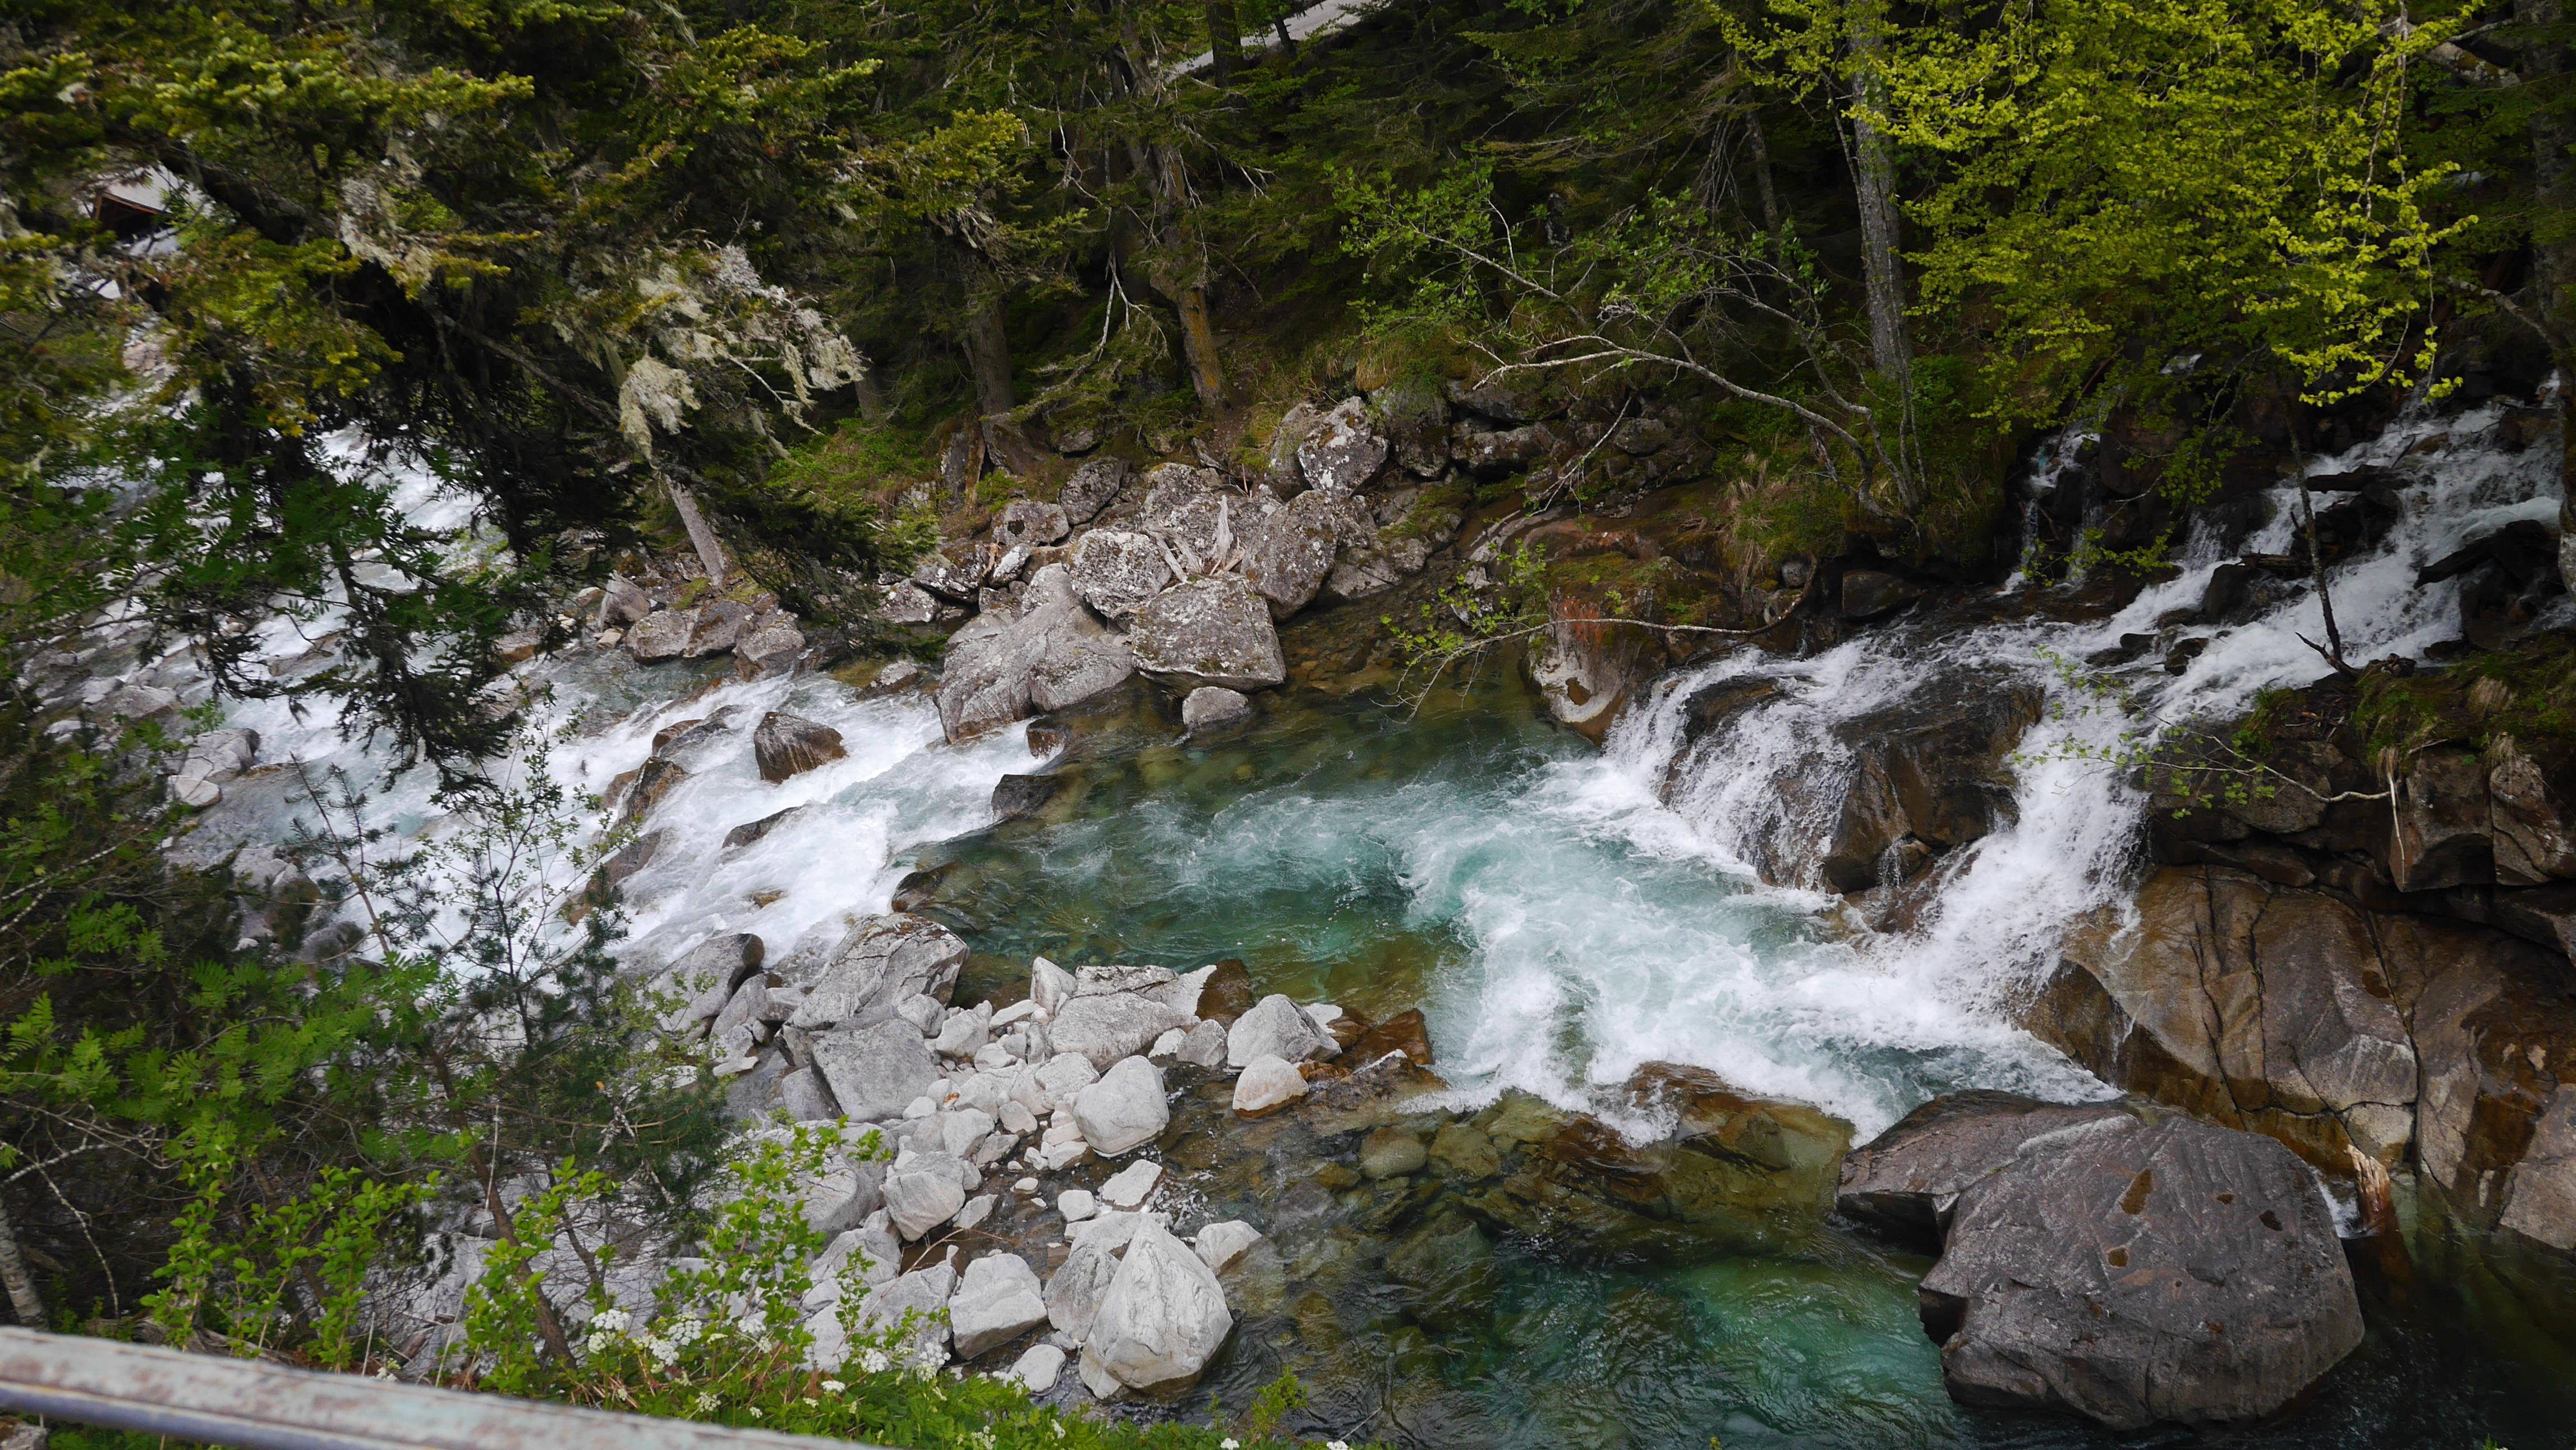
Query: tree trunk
[[2553, 247], [23, 1297], [701, 538], [1760, 145], [988, 352], [872, 401], [1225, 42], [1874, 183], [1186, 288]]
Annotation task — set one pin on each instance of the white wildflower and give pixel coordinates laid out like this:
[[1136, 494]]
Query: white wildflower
[[1229, 1443], [873, 1361], [705, 1402], [685, 1331], [1336, 1445], [753, 1411], [834, 1386], [611, 1321]]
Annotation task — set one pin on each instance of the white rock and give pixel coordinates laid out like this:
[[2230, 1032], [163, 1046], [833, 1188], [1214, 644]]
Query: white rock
[[961, 1130], [1204, 1046], [1076, 1204], [1001, 1055], [1124, 1110], [1016, 1118], [920, 1107], [1182, 993], [920, 1202], [1163, 1318], [1169, 1044], [1038, 1369], [965, 1032], [1275, 1028], [986, 1091], [1050, 986], [1222, 1245], [923, 1011], [1073, 1295], [996, 1301], [1016, 1013], [1133, 1184], [1058, 1159], [1107, 1027], [1060, 1077], [1323, 1015], [1267, 1083], [977, 1209], [1025, 1186], [917, 1297]]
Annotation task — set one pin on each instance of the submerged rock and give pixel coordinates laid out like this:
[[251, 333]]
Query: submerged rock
[[1213, 707], [2130, 1269]]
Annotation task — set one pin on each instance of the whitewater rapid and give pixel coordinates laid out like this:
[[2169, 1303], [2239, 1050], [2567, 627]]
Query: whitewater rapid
[[1602, 919]]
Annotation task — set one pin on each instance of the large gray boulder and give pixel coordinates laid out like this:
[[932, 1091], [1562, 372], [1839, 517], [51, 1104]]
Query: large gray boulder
[[1908, 1178], [875, 1072], [2129, 1268], [1276, 1027], [1093, 487], [1054, 653], [921, 1196], [1124, 1110], [997, 1301], [1112, 1026], [1287, 563], [1344, 451], [1117, 570], [881, 961], [662, 635], [1191, 510], [1162, 1320], [698, 986], [1213, 630], [1028, 522]]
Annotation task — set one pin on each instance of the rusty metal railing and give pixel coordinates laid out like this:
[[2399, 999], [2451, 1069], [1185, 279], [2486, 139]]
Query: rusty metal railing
[[267, 1407]]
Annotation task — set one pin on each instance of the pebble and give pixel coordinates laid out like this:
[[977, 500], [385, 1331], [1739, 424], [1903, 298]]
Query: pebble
[[1025, 1186], [1076, 1204], [1037, 1370]]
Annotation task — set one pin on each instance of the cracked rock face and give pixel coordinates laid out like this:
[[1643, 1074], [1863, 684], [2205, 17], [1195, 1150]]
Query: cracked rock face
[[1211, 630], [1344, 451], [2130, 1267]]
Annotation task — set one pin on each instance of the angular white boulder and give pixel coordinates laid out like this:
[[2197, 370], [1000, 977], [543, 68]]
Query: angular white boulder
[[1038, 1369], [1108, 1027], [1124, 1110], [1221, 1246], [875, 1072], [920, 1199], [1275, 1027], [997, 1300], [1163, 1318]]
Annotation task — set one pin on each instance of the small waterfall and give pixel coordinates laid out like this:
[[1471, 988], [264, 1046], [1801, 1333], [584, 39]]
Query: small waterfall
[[1760, 789]]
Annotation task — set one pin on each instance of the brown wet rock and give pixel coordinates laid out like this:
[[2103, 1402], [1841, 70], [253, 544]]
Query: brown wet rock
[[1227, 993], [1406, 1032]]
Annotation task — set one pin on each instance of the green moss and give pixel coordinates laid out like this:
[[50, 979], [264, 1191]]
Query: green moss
[[2532, 698]]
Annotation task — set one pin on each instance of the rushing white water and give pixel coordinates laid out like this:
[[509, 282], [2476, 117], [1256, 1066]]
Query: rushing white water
[[898, 785], [1600, 926]]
